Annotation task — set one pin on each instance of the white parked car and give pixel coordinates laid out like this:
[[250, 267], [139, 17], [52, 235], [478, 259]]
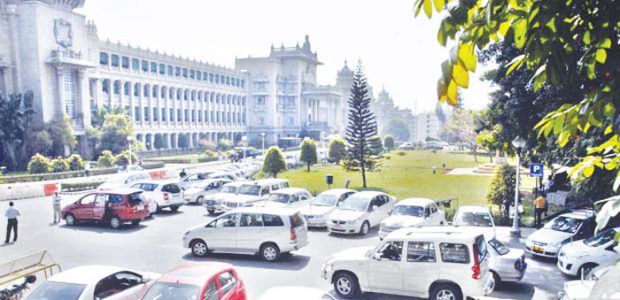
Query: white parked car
[[194, 178], [298, 293], [213, 203], [475, 216], [436, 262], [322, 205], [225, 174], [94, 282], [267, 232], [580, 257], [412, 212], [124, 180], [289, 197], [253, 193], [360, 212], [197, 192], [506, 264], [164, 194], [581, 289], [572, 226]]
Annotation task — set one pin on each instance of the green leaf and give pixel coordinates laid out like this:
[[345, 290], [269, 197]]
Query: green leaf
[[467, 55], [551, 25], [608, 130], [588, 171], [586, 37], [606, 43], [452, 93], [516, 63], [601, 55], [460, 74], [503, 28], [520, 30], [558, 124], [439, 4], [428, 8], [563, 138]]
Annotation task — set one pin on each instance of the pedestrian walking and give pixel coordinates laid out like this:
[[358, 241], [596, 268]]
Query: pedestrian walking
[[182, 174], [539, 207], [56, 199], [11, 215], [548, 184]]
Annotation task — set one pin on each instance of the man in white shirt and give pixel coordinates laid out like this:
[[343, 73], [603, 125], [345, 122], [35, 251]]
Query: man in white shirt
[[11, 215], [56, 206]]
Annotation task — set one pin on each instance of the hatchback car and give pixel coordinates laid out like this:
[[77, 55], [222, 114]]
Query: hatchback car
[[289, 197], [164, 194], [250, 230], [197, 193], [113, 207], [580, 257], [208, 281], [360, 212], [94, 282], [436, 262], [572, 226], [322, 205], [412, 212]]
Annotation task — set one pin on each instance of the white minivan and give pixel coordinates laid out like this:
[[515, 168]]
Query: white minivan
[[436, 262], [267, 232]]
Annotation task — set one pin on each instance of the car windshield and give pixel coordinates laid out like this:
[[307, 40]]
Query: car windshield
[[564, 224], [248, 189], [601, 238], [500, 248], [172, 291], [325, 200], [356, 203], [229, 189], [57, 290], [479, 219], [280, 198], [408, 210]]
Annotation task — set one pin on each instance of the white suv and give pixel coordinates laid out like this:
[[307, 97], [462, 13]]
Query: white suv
[[440, 262], [412, 212], [250, 230], [253, 193]]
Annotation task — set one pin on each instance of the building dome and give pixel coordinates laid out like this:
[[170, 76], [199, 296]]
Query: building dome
[[345, 71]]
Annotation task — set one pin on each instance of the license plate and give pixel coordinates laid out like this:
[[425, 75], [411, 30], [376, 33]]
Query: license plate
[[140, 207], [538, 249], [337, 226]]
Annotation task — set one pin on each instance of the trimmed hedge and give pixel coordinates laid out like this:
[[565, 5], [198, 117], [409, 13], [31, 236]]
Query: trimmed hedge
[[182, 160], [208, 159], [80, 186]]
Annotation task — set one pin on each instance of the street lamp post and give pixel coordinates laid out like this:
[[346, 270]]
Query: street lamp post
[[263, 136], [129, 139], [244, 140], [519, 143]]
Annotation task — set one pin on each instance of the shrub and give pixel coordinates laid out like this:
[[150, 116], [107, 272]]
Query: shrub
[[308, 152], [59, 165], [224, 144], [401, 153], [388, 142], [76, 163], [387, 157], [207, 159], [80, 186], [502, 190], [106, 159], [122, 159], [337, 150], [38, 164], [274, 162], [210, 153]]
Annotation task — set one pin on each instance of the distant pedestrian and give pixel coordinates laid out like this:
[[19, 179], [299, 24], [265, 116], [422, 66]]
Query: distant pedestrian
[[11, 215], [539, 207], [443, 166], [56, 199], [434, 170], [182, 174], [548, 184]]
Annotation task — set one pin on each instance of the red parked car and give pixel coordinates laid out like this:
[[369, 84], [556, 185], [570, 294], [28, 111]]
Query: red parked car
[[112, 207], [208, 281]]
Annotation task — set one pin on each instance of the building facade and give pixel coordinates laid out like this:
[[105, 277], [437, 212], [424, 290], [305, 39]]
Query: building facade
[[49, 49]]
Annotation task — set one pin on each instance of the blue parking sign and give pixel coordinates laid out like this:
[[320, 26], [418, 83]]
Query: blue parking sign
[[537, 170]]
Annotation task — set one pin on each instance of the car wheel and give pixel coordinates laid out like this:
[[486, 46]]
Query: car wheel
[[200, 200], [446, 292], [496, 277], [174, 208], [365, 228], [157, 208], [346, 285], [115, 222], [586, 269], [199, 248], [70, 219], [270, 252], [135, 222]]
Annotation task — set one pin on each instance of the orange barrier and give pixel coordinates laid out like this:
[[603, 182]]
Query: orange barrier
[[49, 189]]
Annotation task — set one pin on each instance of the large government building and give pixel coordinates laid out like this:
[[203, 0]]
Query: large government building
[[47, 48]]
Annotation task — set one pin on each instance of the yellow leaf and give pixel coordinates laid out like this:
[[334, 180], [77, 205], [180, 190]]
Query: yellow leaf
[[428, 8], [503, 28], [452, 93], [588, 171], [439, 4], [460, 75], [558, 124], [520, 30], [601, 55], [467, 55]]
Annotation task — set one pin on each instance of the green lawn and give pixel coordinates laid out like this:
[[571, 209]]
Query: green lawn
[[406, 176]]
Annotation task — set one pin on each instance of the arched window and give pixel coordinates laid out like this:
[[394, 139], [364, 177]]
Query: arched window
[[146, 90], [126, 88], [136, 90]]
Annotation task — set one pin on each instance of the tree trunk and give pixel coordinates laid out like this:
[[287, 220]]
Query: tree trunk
[[274, 174], [308, 167], [491, 156]]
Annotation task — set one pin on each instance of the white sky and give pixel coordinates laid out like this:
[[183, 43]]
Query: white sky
[[397, 50]]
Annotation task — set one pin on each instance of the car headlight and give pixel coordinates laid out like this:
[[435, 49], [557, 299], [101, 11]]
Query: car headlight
[[186, 233]]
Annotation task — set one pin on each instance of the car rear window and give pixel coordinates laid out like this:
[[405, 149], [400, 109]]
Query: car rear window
[[482, 248], [172, 291], [296, 220], [171, 188], [149, 187], [136, 198], [454, 253], [57, 290], [272, 220]]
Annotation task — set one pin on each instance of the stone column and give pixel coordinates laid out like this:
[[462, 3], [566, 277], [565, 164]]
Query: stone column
[[59, 103], [131, 101], [84, 97]]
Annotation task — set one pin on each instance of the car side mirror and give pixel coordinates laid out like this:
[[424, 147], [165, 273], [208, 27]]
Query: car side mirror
[[374, 207], [376, 256], [390, 212], [611, 247]]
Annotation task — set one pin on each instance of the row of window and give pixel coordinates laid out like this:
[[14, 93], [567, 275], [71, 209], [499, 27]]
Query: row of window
[[152, 67], [168, 93], [186, 115], [425, 252]]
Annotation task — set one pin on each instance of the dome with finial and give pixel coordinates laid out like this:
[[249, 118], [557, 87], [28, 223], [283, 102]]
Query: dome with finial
[[345, 71]]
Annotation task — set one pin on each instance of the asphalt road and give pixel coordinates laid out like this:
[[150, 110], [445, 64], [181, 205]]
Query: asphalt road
[[156, 246]]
